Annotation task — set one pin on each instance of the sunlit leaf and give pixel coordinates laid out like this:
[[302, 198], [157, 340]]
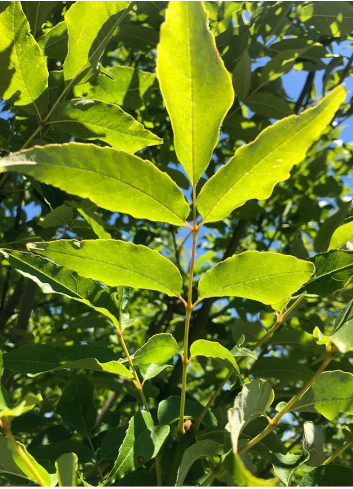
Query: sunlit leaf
[[196, 87], [114, 263]]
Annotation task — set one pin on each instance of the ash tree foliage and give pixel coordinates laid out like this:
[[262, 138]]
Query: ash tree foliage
[[176, 255]]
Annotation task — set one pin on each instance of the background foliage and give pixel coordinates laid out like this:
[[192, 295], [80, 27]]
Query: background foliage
[[47, 338]]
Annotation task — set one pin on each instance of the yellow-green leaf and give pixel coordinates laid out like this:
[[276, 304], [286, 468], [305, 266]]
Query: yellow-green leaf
[[262, 276], [114, 263], [196, 87], [108, 177], [257, 167]]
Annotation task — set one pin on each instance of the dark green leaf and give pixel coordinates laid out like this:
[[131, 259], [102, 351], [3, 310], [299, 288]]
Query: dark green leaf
[[201, 449], [328, 475]]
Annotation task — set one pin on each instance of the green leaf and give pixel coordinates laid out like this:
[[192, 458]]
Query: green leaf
[[28, 403], [128, 87], [66, 469], [284, 465], [269, 105], [152, 370], [212, 349], [342, 334], [58, 217], [24, 78], [112, 367], [32, 359], [54, 43], [313, 443], [257, 167], [263, 276], [323, 236], [142, 442], [333, 270], [53, 278], [200, 449], [330, 395], [327, 20], [242, 75], [281, 368], [76, 405], [93, 119], [241, 475], [86, 209], [196, 87], [328, 475], [169, 410], [253, 401], [103, 175], [341, 235], [85, 51], [11, 463], [115, 263], [37, 13], [159, 349]]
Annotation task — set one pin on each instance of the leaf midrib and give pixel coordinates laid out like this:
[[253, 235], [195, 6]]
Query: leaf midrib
[[95, 260], [255, 279], [33, 163]]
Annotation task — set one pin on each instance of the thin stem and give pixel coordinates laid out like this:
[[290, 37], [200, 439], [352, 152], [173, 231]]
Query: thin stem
[[6, 426], [273, 423], [339, 451], [212, 476], [188, 311], [212, 399], [281, 318], [279, 321]]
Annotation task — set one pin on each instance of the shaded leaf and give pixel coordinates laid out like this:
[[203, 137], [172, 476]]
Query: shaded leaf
[[24, 77], [241, 475], [323, 236], [313, 443], [37, 13], [196, 87], [128, 87], [66, 469], [93, 119], [333, 270], [28, 403], [330, 395], [263, 276], [257, 167], [200, 449], [328, 475], [342, 334], [54, 42], [169, 410], [142, 442], [242, 75], [253, 401], [115, 263], [103, 175], [53, 278], [11, 463], [76, 405], [284, 465]]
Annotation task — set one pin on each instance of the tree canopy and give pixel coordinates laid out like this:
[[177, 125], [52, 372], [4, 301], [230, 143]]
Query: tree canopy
[[175, 243]]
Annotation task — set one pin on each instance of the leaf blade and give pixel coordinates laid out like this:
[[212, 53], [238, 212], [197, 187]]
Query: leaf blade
[[252, 274], [93, 119], [257, 167], [191, 73], [103, 175], [100, 259]]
